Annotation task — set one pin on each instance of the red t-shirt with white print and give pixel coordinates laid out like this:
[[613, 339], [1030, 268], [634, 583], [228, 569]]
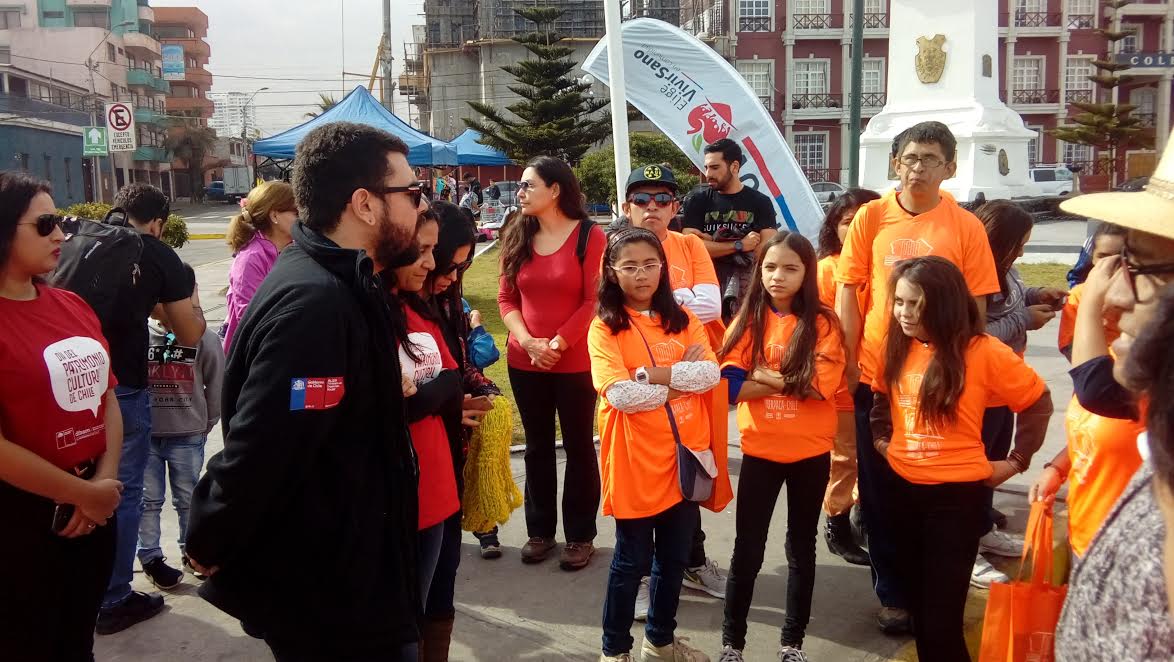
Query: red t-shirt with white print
[[54, 373]]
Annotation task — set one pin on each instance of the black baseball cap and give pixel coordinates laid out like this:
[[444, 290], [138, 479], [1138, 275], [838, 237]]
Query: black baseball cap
[[653, 174]]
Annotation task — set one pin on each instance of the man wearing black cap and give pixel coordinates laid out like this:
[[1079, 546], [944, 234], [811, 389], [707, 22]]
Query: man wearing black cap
[[650, 202]]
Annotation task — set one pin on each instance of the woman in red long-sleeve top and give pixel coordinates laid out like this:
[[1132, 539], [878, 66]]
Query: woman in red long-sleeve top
[[550, 259]]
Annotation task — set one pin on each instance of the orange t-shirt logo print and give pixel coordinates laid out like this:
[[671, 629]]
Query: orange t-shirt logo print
[[904, 249], [921, 440], [668, 352]]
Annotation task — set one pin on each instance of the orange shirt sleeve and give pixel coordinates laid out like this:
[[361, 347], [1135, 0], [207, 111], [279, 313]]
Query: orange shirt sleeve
[[829, 360], [739, 356], [1009, 377], [978, 263], [703, 270], [827, 281], [1068, 318], [855, 262], [607, 359]]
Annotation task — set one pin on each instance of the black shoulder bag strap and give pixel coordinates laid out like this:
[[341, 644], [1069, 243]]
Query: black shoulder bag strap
[[667, 407]]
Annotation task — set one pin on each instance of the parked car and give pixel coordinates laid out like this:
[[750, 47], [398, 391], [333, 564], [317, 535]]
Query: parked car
[[1134, 185], [1052, 179], [509, 193], [822, 189]]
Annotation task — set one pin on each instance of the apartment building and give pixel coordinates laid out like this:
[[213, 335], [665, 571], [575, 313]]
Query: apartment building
[[231, 117], [60, 62], [188, 27]]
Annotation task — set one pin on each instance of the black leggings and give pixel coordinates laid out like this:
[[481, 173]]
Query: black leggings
[[759, 484], [539, 395]]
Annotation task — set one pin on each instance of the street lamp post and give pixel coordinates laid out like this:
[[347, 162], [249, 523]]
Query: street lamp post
[[92, 67], [245, 129]]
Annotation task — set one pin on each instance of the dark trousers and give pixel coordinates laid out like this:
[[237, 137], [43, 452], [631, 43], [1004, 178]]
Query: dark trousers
[[998, 428], [874, 477], [50, 587], [539, 395], [697, 547], [759, 484], [444, 579], [313, 649], [656, 546], [937, 540]]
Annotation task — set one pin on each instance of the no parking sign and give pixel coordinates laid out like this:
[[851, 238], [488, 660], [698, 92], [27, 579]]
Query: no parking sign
[[120, 125]]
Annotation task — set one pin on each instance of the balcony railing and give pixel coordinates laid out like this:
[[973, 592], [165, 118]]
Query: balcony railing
[[817, 21], [1034, 19], [1081, 21], [872, 21], [1034, 97], [753, 24], [872, 100], [820, 174], [816, 101], [1146, 120], [1079, 96]]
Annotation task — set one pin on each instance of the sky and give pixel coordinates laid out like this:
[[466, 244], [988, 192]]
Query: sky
[[298, 48]]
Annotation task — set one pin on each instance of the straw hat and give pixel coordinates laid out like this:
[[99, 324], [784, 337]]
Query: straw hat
[[1150, 210]]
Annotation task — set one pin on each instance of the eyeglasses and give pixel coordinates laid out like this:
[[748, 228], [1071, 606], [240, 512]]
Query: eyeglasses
[[642, 199], [929, 161], [46, 223], [526, 186], [633, 270], [415, 189], [458, 267], [1132, 271]]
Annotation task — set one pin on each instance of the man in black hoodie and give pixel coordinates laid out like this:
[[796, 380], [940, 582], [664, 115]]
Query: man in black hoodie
[[306, 521]]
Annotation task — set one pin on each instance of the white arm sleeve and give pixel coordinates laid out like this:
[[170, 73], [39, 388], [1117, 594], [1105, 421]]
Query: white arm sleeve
[[684, 296], [695, 376], [706, 303], [630, 397]]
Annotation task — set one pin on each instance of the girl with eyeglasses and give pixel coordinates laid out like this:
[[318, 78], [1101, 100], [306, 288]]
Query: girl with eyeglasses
[[60, 440], [650, 360], [783, 356], [550, 255]]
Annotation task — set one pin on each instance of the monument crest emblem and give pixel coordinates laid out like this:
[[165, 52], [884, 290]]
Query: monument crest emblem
[[931, 59]]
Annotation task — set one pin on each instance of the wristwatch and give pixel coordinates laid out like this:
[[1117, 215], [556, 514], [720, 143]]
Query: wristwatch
[[738, 245], [642, 375]]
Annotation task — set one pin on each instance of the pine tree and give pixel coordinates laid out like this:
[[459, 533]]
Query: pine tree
[[555, 115], [1107, 126]]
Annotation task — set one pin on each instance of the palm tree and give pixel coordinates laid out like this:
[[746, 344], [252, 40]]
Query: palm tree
[[325, 103], [191, 142]]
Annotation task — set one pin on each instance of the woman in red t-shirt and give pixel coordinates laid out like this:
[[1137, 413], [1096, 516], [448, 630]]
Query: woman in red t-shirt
[[60, 437], [549, 277]]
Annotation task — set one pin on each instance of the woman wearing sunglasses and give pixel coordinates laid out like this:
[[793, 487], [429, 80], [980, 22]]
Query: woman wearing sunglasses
[[550, 256], [60, 438]]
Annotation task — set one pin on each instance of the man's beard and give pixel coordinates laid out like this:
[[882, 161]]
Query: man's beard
[[720, 184], [394, 243]]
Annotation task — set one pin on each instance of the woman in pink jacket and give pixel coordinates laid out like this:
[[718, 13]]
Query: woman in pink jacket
[[256, 236]]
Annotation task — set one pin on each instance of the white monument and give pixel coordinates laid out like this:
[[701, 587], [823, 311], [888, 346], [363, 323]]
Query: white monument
[[944, 66]]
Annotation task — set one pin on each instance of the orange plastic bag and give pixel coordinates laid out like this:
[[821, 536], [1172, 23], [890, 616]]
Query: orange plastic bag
[[1021, 617]]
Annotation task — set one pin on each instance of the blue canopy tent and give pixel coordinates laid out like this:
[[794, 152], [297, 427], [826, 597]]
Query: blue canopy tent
[[472, 153], [362, 108]]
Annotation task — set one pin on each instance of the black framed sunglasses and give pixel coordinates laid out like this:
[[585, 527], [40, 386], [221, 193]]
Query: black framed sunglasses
[[1132, 271], [643, 199], [415, 189], [46, 223], [458, 267]]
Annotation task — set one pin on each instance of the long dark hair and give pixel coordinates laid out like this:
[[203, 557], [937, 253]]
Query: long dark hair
[[798, 364], [1007, 224], [517, 234], [401, 300], [951, 322], [456, 230], [17, 191], [673, 318], [1150, 368], [829, 236]]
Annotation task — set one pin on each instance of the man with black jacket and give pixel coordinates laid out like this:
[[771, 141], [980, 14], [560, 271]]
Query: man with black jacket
[[306, 521]]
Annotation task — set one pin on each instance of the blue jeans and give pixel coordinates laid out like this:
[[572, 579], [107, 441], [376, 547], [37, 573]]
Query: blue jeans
[[662, 541], [181, 458], [439, 602], [874, 479], [430, 540], [135, 404]]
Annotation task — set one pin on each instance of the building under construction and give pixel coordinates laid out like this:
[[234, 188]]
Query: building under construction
[[457, 55]]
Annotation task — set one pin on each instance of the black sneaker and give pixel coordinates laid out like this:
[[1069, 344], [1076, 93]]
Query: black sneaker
[[162, 575], [187, 566], [135, 609], [490, 546]]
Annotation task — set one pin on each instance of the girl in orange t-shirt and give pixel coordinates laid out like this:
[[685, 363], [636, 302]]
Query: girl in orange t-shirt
[[841, 489], [938, 375], [650, 359], [784, 358]]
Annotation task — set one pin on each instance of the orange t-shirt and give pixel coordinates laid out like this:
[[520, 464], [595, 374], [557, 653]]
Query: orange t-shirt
[[924, 455], [827, 280], [637, 452], [786, 429], [1068, 320], [883, 233], [1103, 453], [690, 266]]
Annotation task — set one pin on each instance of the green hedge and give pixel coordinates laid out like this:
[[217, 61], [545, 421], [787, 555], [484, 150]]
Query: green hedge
[[175, 231]]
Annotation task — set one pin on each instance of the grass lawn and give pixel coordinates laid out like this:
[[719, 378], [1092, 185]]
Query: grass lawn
[[1046, 274]]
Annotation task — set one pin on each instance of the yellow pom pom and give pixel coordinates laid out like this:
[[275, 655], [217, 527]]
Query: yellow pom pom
[[491, 494]]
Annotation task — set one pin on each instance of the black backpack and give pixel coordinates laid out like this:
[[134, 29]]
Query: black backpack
[[98, 260], [585, 227]]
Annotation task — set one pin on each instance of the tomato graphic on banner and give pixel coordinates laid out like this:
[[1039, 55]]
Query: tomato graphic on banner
[[709, 123]]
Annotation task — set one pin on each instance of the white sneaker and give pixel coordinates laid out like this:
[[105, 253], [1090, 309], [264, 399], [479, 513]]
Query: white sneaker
[[791, 654], [643, 600], [708, 578], [985, 574], [622, 657], [678, 651], [730, 654], [1002, 544]]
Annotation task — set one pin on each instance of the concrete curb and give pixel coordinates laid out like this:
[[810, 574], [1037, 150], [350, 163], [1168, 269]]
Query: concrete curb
[[198, 237]]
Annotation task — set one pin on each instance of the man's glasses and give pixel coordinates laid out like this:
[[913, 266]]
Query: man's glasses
[[929, 161], [415, 189], [633, 270], [46, 223], [1132, 271], [642, 199]]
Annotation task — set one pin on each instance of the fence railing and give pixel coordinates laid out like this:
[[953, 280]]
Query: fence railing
[[806, 101]]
